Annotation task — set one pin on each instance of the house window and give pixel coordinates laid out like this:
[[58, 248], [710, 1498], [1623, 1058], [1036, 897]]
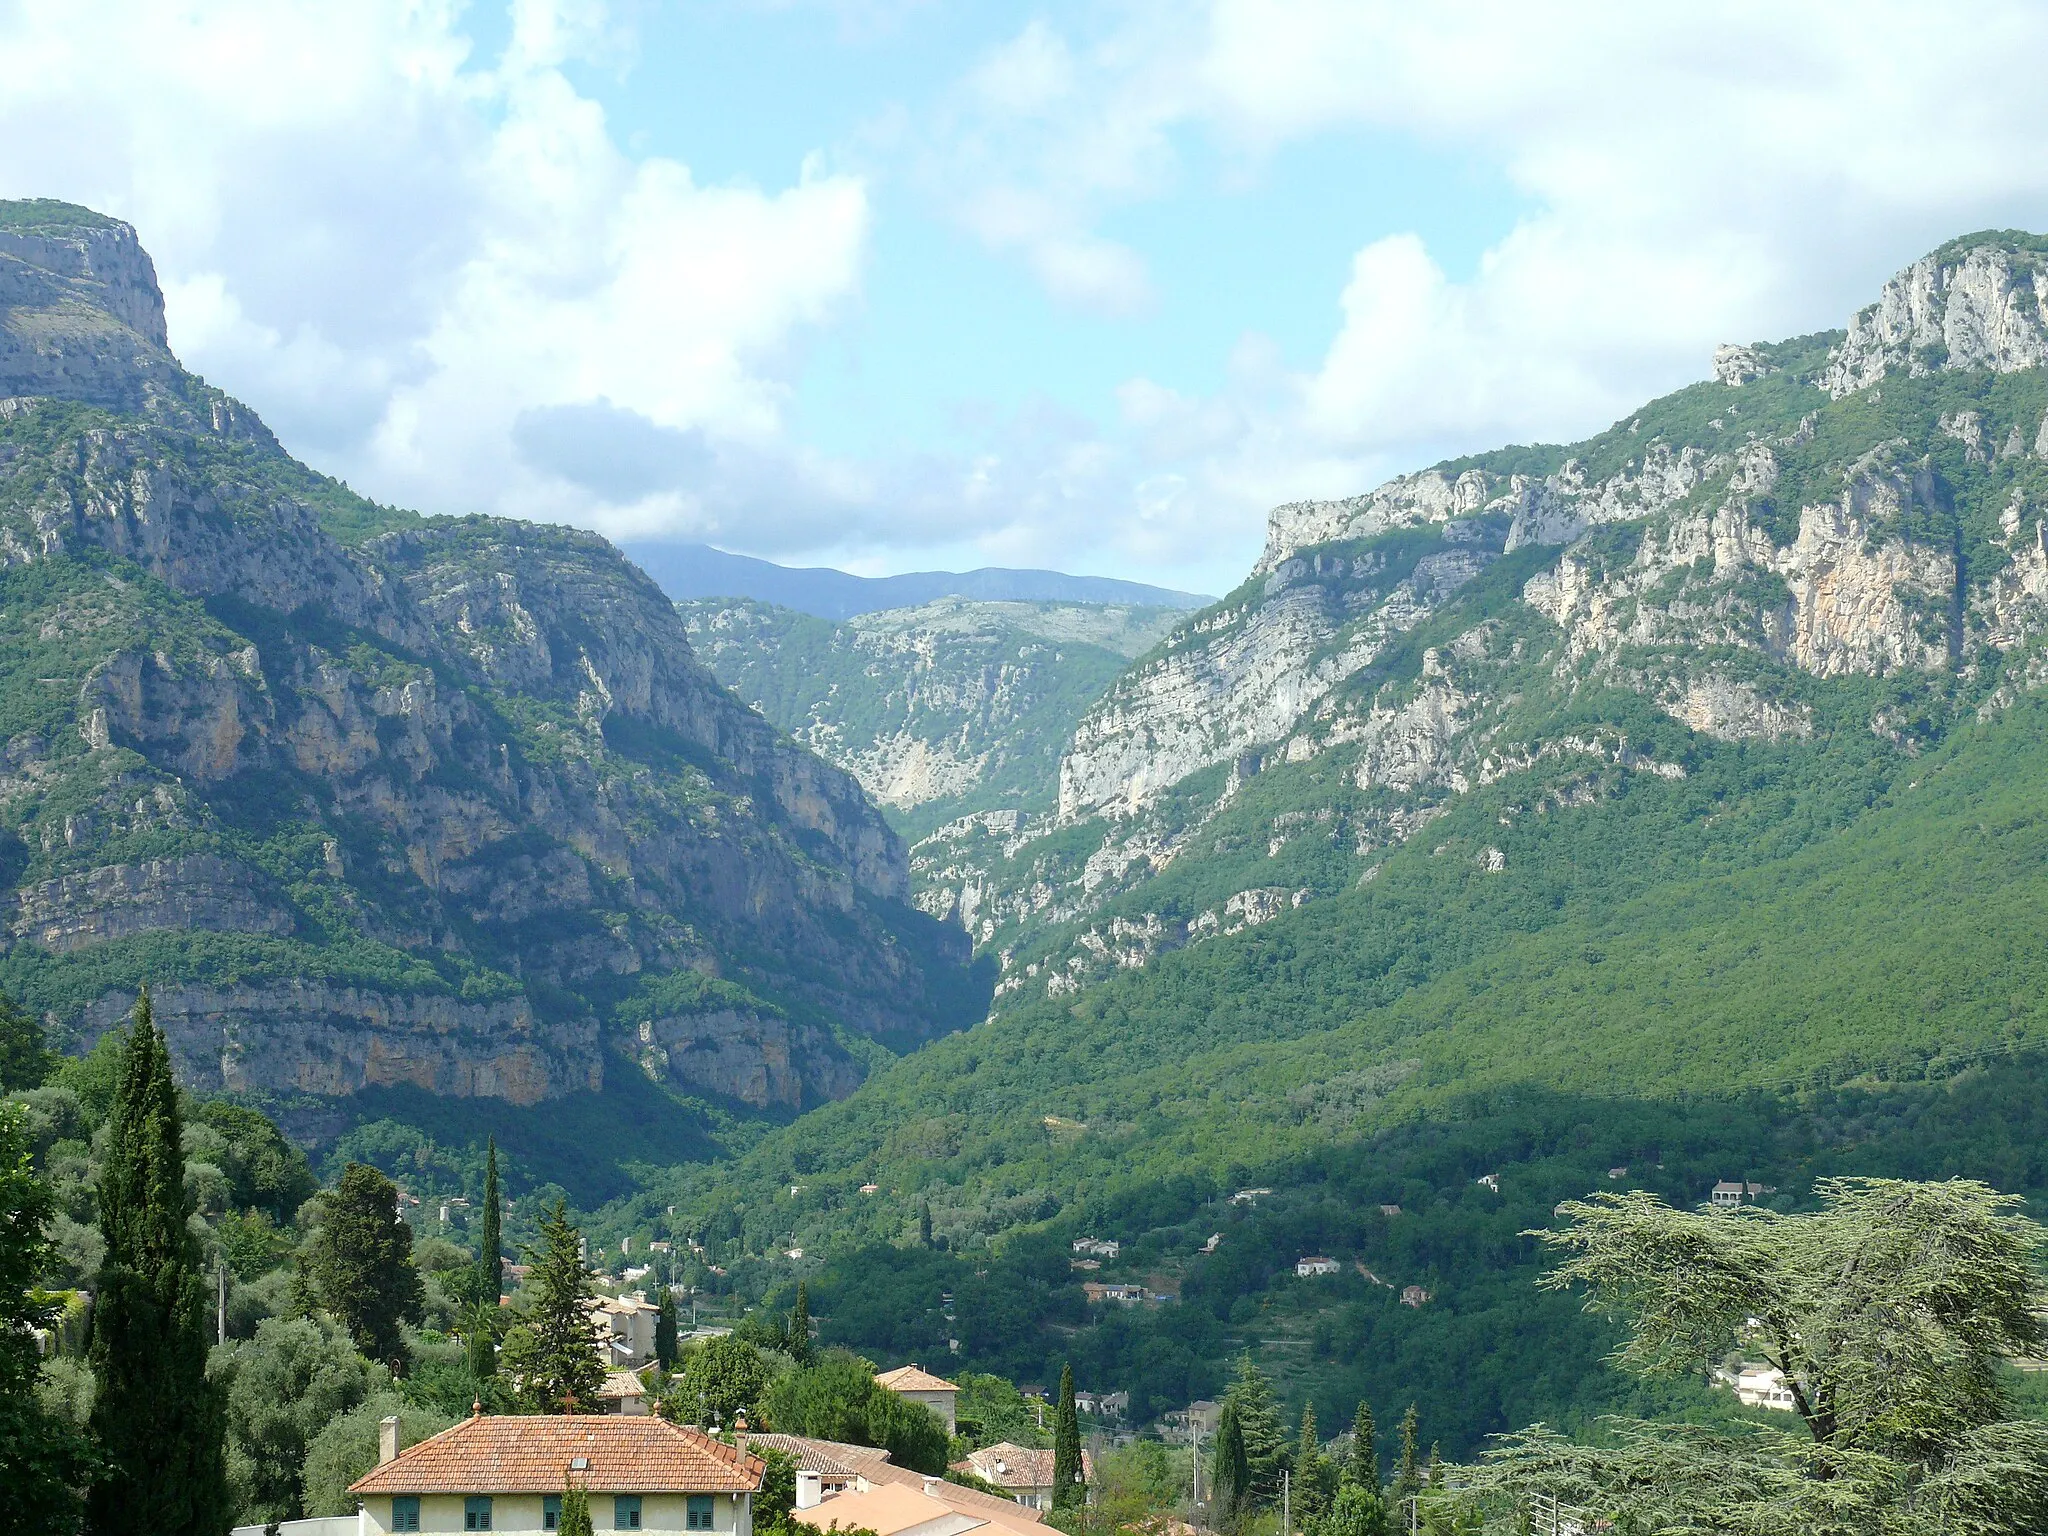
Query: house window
[[551, 1511], [626, 1512], [698, 1516], [405, 1513], [476, 1514]]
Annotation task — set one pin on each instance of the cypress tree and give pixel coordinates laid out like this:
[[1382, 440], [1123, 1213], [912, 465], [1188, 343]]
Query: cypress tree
[[1069, 1479], [1363, 1466], [1258, 1419], [1436, 1465], [1230, 1471], [161, 1425], [924, 1224], [490, 1266], [490, 1243], [1314, 1477], [1408, 1480], [800, 1326], [666, 1343]]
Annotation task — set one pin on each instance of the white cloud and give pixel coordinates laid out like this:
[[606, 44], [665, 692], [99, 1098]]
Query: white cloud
[[398, 250]]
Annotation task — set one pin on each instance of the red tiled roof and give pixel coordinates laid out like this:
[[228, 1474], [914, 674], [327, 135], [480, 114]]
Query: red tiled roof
[[914, 1378], [531, 1454]]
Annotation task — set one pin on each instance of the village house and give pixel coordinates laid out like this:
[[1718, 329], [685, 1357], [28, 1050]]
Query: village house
[[1098, 1247], [921, 1386], [831, 1475], [623, 1392], [1248, 1196], [508, 1473], [1414, 1296], [1103, 1405], [1315, 1264], [1728, 1194], [1096, 1293], [1390, 1210], [1022, 1472], [1759, 1386], [625, 1329]]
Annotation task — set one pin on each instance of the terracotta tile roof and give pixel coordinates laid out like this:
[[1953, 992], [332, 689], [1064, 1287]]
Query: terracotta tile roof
[[971, 1501], [622, 1384], [809, 1455], [1018, 1466], [914, 1378], [531, 1454], [884, 1510]]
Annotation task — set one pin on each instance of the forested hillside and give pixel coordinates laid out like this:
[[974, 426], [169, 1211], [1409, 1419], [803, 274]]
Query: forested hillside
[[1698, 764]]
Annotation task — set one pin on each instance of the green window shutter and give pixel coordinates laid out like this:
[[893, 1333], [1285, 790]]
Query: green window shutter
[[476, 1513], [551, 1511], [405, 1512], [698, 1514], [626, 1512]]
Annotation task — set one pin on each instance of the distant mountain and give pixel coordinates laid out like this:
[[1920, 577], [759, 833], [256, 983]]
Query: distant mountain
[[688, 571], [948, 709]]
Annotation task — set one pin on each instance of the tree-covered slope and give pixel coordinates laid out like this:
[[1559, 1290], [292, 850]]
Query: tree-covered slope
[[374, 800], [945, 710]]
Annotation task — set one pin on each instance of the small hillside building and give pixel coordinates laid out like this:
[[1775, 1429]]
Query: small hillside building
[[1315, 1264], [921, 1386], [1022, 1472]]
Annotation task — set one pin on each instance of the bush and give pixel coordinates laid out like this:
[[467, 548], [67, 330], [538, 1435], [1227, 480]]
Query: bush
[[347, 1448]]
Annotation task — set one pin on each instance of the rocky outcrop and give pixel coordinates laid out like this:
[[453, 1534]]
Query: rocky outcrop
[[1976, 303], [475, 757], [332, 1040], [760, 1060], [199, 893]]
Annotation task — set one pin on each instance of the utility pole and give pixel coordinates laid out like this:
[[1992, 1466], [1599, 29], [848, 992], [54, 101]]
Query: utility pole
[[220, 1315], [1286, 1503], [1195, 1439]]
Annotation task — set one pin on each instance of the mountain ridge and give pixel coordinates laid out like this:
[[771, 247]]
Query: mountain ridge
[[691, 572], [378, 799]]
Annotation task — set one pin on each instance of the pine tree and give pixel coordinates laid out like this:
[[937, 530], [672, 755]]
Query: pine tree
[[1314, 1478], [666, 1343], [1258, 1418], [1230, 1470], [574, 1519], [1363, 1465], [1436, 1465], [1408, 1480], [800, 1326], [361, 1264], [1069, 1480], [554, 1355], [161, 1425]]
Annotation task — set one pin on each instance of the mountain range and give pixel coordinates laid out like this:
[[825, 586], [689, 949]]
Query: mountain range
[[383, 805], [691, 571], [1702, 756]]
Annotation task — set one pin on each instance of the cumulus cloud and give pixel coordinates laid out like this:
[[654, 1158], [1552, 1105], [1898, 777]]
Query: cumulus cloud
[[404, 252]]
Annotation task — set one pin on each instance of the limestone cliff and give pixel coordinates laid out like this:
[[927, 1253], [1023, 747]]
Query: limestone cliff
[[376, 799], [1846, 522]]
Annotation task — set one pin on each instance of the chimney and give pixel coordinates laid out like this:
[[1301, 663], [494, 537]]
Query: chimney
[[387, 1439], [931, 1486], [810, 1490]]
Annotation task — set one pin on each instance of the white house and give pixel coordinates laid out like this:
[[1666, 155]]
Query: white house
[[1021, 1471], [1729, 1193], [492, 1473], [625, 1329], [1315, 1264]]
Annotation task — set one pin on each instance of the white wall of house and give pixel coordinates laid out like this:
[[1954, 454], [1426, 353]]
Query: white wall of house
[[520, 1513]]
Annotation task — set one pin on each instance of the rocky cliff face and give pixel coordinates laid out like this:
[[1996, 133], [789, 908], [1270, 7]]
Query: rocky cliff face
[[952, 707], [1849, 521], [373, 799]]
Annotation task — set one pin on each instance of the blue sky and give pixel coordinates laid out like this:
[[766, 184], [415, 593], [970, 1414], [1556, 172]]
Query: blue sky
[[901, 283]]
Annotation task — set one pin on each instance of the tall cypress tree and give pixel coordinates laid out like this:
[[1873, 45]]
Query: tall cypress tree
[[490, 1243], [490, 1267], [666, 1344], [1230, 1471], [1069, 1480], [1363, 1466], [553, 1355], [800, 1326], [160, 1423]]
